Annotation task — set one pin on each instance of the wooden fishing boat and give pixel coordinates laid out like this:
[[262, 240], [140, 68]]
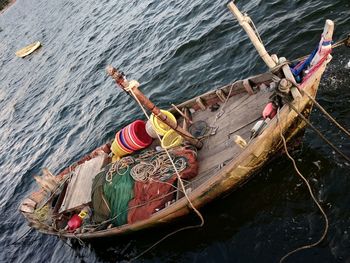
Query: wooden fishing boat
[[23, 52], [231, 149]]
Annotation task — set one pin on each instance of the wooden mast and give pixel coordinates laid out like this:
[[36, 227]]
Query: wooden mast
[[133, 86], [244, 22]]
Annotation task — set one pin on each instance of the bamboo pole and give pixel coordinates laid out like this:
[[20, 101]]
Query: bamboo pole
[[133, 85], [244, 22]]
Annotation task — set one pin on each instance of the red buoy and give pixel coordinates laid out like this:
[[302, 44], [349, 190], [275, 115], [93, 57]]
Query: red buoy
[[269, 111]]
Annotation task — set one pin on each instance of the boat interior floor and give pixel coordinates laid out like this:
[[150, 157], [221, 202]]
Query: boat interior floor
[[236, 117]]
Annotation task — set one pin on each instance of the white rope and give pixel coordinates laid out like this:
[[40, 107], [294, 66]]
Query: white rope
[[172, 162], [254, 27], [117, 166], [181, 184], [159, 167]]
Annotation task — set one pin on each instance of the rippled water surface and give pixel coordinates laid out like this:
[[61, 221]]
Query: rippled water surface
[[58, 104]]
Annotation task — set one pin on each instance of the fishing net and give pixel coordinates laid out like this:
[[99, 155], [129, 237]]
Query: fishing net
[[101, 209], [134, 187], [118, 192], [159, 188]]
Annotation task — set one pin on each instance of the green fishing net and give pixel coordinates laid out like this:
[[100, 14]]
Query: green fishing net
[[118, 193]]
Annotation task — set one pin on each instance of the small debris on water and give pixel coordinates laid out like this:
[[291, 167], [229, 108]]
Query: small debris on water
[[317, 164], [348, 65]]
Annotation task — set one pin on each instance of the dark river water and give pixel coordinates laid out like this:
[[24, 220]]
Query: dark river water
[[58, 104]]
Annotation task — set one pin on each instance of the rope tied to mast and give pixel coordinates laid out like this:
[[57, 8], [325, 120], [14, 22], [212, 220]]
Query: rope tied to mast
[[250, 21]]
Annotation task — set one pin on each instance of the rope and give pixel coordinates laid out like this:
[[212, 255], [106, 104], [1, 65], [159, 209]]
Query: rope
[[119, 165], [317, 131], [66, 243], [254, 27], [319, 106], [161, 240], [80, 256], [311, 194], [218, 115], [276, 68], [182, 187], [81, 242], [335, 45], [23, 236], [158, 168], [325, 112]]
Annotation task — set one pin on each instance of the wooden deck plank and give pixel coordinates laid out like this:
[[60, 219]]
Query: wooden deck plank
[[240, 112]]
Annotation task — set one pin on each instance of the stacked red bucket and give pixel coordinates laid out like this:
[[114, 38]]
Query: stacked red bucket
[[131, 138]]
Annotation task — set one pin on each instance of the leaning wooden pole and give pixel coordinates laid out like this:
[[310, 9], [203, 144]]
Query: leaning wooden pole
[[133, 86], [244, 22]]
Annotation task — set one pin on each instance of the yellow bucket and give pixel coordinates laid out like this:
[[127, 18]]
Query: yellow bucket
[[117, 150], [171, 139], [160, 127], [115, 158]]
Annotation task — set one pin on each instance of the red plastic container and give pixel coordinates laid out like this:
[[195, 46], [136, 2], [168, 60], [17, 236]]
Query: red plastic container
[[74, 222], [130, 143], [138, 134], [133, 137]]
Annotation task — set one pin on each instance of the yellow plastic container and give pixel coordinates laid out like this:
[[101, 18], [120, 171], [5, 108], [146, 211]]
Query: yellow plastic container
[[115, 158], [117, 150], [171, 139], [160, 127]]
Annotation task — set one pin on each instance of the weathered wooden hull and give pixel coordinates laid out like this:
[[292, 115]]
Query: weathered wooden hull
[[230, 177]]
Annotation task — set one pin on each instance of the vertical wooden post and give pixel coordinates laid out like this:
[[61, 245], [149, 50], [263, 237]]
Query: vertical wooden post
[[325, 45]]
